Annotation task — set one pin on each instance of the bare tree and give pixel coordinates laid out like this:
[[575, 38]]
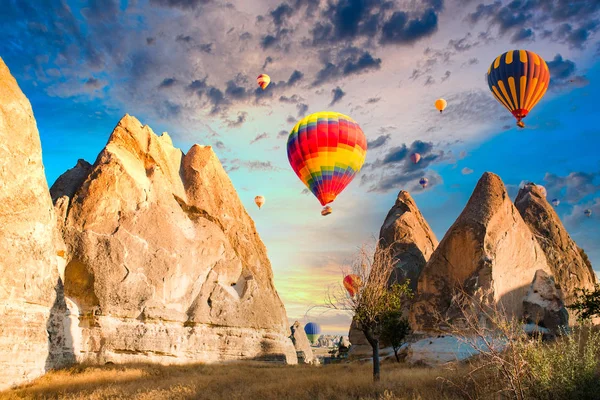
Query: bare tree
[[374, 300]]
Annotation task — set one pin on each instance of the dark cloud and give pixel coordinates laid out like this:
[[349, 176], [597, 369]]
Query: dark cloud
[[349, 62], [291, 120], [206, 47], [446, 76], [337, 94], [295, 78], [305, 191], [167, 83], [239, 121], [220, 145], [400, 29], [268, 61], [523, 35], [373, 100], [380, 141], [260, 166], [302, 109], [573, 187], [429, 81], [182, 4], [282, 134], [93, 83], [150, 40], [262, 136], [293, 99], [563, 73], [462, 44], [184, 38]]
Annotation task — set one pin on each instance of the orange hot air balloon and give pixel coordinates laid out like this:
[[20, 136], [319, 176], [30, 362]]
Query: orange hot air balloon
[[441, 104], [259, 200], [415, 158], [263, 81], [352, 283], [518, 79]]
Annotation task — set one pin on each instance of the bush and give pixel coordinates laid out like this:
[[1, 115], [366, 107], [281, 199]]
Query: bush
[[566, 369]]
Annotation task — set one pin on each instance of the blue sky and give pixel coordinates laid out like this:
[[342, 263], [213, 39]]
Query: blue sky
[[189, 67]]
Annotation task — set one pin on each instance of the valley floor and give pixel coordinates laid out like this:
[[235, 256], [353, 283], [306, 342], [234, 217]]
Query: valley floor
[[234, 381]]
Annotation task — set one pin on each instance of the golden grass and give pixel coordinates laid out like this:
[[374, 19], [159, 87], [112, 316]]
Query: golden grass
[[233, 381]]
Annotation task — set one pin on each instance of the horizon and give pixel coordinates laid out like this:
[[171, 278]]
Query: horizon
[[196, 80]]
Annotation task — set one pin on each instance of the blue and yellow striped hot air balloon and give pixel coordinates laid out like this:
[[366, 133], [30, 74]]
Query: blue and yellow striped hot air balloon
[[313, 331], [518, 79]]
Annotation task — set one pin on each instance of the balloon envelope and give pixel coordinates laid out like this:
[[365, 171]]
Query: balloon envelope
[[313, 331], [518, 79], [415, 157], [352, 283], [441, 104], [259, 200], [555, 202], [326, 150], [263, 81], [423, 182], [588, 212]]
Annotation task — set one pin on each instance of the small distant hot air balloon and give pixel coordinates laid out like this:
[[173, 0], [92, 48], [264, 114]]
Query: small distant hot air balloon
[[263, 81], [259, 200], [326, 150], [326, 211], [441, 104], [313, 331], [588, 212], [555, 202], [415, 157], [424, 182], [352, 283], [518, 79]]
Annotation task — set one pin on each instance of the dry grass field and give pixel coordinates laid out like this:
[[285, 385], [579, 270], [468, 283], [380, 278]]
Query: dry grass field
[[235, 381]]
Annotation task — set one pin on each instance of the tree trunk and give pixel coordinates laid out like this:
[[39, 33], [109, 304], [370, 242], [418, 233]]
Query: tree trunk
[[396, 354], [374, 342]]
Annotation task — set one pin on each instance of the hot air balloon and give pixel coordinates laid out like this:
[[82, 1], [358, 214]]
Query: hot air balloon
[[326, 150], [259, 200], [441, 104], [313, 331], [518, 79], [326, 211], [263, 81], [555, 202], [415, 157], [423, 182], [352, 283], [588, 212]]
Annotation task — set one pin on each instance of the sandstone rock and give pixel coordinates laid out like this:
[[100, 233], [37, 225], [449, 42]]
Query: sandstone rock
[[410, 238], [489, 251], [165, 265], [29, 279], [543, 305], [568, 263], [302, 345], [412, 243]]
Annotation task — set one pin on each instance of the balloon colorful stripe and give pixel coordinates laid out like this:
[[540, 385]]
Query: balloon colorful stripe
[[518, 79], [326, 150]]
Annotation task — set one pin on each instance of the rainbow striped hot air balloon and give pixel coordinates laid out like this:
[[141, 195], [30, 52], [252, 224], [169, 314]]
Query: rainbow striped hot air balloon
[[326, 150], [313, 331], [518, 79]]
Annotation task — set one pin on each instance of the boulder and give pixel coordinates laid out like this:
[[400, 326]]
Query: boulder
[[489, 253], [30, 285], [164, 263], [543, 305], [302, 345], [568, 263]]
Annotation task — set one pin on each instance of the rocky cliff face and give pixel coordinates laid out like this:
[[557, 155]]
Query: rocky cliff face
[[488, 250], [412, 242], [302, 345], [165, 264], [29, 277], [570, 266]]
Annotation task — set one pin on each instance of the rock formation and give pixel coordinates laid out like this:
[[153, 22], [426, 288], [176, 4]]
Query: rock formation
[[568, 263], [302, 345], [164, 263], [489, 250], [29, 277], [412, 243], [543, 305]]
